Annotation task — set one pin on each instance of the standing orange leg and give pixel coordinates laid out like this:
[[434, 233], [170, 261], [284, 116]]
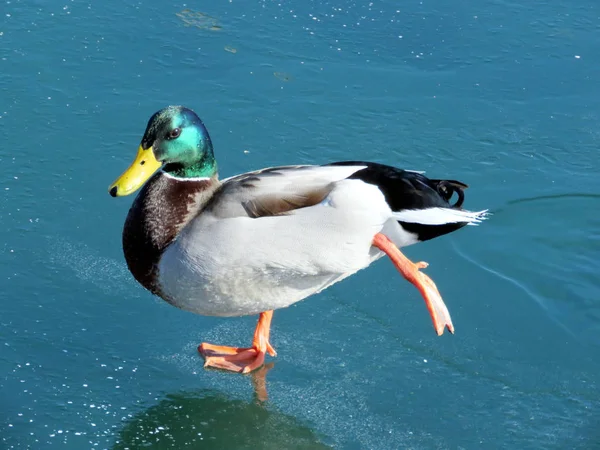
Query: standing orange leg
[[238, 359], [410, 270]]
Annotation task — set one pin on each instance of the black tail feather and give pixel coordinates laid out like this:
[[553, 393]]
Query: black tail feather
[[447, 188], [404, 189], [407, 190]]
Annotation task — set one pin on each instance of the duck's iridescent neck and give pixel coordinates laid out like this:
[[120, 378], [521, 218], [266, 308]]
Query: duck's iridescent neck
[[204, 167], [185, 179], [162, 208]]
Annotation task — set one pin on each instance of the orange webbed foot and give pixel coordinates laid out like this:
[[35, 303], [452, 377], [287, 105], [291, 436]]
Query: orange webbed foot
[[238, 359]]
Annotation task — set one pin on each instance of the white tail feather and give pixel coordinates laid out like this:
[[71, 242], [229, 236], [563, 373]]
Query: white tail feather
[[440, 216]]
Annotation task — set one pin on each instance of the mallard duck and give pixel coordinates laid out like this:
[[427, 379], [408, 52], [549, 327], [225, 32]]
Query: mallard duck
[[263, 240]]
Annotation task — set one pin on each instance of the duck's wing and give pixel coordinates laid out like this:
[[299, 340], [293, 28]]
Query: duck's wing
[[276, 190], [420, 205]]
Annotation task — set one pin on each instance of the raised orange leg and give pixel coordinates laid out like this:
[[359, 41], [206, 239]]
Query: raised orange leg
[[237, 359], [411, 271]]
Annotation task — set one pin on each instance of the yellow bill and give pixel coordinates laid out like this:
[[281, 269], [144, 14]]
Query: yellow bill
[[142, 168]]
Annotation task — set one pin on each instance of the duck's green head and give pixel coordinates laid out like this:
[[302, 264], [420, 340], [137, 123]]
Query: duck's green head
[[176, 140]]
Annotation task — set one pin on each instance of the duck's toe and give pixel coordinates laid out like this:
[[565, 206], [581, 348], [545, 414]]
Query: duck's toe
[[234, 359], [238, 359]]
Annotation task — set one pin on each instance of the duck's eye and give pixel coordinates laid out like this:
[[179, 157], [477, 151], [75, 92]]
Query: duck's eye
[[174, 133]]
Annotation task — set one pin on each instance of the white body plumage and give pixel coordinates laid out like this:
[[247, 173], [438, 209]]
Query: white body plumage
[[225, 263]]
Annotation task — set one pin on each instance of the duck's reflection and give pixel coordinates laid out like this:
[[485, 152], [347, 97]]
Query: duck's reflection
[[259, 382], [208, 419]]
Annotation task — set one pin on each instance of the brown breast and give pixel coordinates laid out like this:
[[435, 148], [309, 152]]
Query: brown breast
[[161, 209]]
